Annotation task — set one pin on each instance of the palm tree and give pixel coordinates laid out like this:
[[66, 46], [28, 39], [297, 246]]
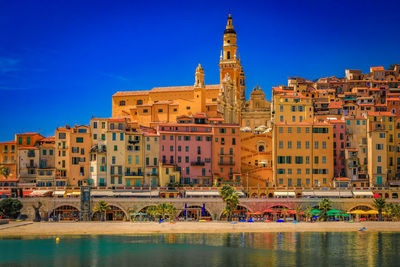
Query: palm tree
[[165, 209], [298, 210], [152, 211], [231, 199], [4, 171], [379, 204], [308, 214], [102, 208], [324, 206]]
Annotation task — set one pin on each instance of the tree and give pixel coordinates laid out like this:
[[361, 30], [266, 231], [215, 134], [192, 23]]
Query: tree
[[379, 204], [10, 207], [298, 210], [308, 213], [4, 171], [324, 206], [102, 208], [231, 199]]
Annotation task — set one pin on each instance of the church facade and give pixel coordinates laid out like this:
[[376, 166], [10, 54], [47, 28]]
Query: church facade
[[225, 100]]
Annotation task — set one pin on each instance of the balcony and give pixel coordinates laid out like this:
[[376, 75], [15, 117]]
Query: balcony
[[226, 163], [197, 163], [152, 174], [30, 166], [134, 174]]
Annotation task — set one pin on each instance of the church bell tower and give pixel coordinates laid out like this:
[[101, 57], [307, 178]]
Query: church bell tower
[[231, 76]]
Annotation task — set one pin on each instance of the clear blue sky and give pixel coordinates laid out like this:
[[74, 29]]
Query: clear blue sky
[[60, 61]]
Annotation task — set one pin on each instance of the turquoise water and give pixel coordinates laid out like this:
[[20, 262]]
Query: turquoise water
[[242, 249]]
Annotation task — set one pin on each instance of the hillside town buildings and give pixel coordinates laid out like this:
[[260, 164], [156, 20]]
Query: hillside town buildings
[[331, 132]]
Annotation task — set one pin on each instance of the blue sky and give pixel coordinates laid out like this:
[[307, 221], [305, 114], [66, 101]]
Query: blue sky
[[60, 61]]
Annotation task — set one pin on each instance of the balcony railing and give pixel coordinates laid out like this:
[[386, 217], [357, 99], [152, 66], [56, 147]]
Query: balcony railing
[[31, 165], [197, 163], [133, 174], [226, 163]]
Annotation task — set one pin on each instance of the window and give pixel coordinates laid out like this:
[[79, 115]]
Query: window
[[316, 145], [298, 144], [281, 144], [289, 144], [145, 110], [129, 159], [280, 129], [307, 144], [323, 159], [186, 148], [323, 144], [378, 169], [307, 130], [160, 110], [298, 130], [233, 141], [307, 159], [379, 146], [28, 140], [113, 160], [139, 102], [79, 139], [122, 103], [137, 159], [379, 159], [51, 152], [289, 129], [115, 148], [316, 160]]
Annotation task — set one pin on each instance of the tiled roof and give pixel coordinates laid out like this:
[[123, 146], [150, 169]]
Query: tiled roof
[[377, 68], [380, 114], [335, 104]]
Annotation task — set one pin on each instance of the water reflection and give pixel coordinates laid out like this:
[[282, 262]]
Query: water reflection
[[238, 249]]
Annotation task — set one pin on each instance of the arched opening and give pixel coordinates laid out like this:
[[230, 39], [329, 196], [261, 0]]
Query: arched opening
[[66, 213], [395, 195], [112, 214], [270, 195], [194, 213], [386, 195], [261, 148], [228, 55], [254, 195], [239, 214], [142, 215], [263, 195]]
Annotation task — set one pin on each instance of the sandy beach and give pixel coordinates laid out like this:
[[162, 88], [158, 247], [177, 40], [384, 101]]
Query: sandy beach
[[119, 228]]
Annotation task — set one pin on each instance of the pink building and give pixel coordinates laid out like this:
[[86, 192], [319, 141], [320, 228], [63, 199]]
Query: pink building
[[187, 144], [339, 134]]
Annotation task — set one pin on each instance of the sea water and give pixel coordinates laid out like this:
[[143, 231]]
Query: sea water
[[236, 249]]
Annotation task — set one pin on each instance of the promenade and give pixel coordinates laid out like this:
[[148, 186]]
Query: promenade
[[126, 228]]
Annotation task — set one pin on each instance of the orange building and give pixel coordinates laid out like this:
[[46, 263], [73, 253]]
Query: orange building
[[72, 155], [256, 158]]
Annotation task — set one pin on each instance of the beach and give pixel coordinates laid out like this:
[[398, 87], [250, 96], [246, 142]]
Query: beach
[[122, 228]]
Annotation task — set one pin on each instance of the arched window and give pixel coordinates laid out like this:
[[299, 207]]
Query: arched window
[[261, 148], [122, 103], [228, 55]]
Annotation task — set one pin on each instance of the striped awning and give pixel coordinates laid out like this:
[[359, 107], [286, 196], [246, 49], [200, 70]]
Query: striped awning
[[363, 194], [284, 194]]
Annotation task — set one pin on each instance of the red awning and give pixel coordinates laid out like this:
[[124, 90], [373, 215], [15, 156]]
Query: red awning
[[5, 192], [268, 210]]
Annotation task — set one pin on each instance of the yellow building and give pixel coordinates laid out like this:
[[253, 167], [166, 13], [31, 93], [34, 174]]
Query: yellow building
[[73, 146], [303, 154], [382, 147], [292, 108], [98, 152], [134, 159], [168, 174], [151, 158]]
